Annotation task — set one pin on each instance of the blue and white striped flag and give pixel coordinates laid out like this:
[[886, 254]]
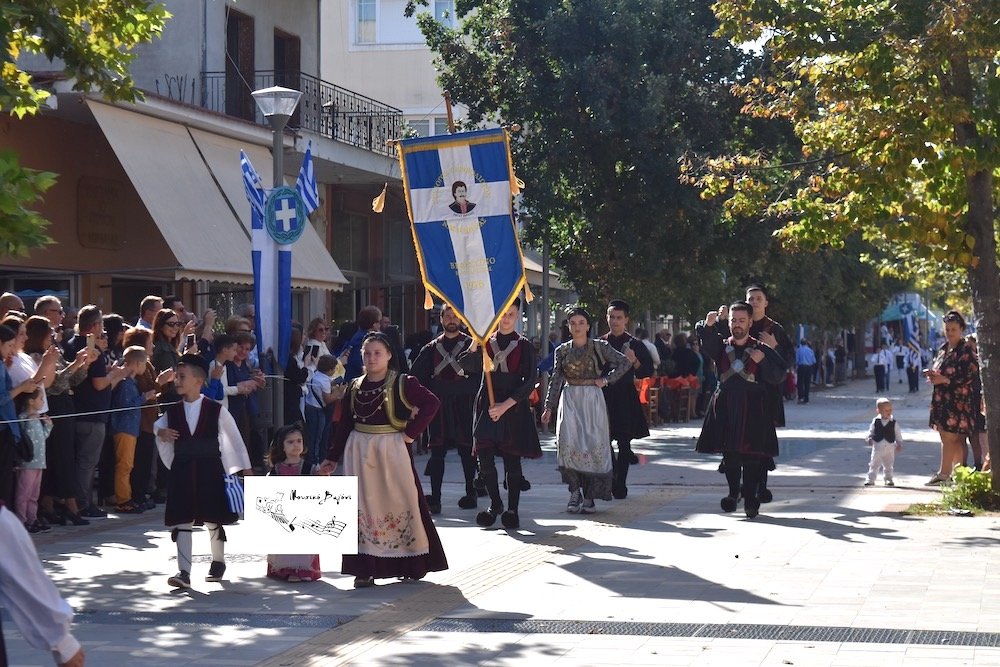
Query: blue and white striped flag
[[305, 184], [458, 191], [264, 254], [911, 331]]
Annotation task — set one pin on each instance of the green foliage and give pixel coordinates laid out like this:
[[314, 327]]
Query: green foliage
[[94, 40], [970, 490]]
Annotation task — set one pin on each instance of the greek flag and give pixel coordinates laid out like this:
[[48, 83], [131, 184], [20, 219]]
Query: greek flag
[[458, 191], [911, 332], [264, 254], [305, 184]]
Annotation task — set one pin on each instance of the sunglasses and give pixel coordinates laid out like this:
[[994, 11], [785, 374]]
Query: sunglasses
[[172, 324]]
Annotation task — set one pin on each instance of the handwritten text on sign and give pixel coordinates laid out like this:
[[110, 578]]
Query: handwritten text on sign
[[302, 515]]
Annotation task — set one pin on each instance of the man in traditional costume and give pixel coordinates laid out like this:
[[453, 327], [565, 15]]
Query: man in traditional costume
[[504, 426], [738, 423], [625, 415], [437, 368], [199, 442]]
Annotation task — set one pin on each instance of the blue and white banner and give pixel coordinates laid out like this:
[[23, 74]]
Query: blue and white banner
[[911, 332], [459, 191], [279, 217], [264, 253]]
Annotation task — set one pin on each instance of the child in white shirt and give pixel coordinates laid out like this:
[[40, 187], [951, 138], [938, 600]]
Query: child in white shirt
[[885, 440]]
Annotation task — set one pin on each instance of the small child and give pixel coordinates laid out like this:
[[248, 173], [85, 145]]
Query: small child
[[199, 443], [29, 475], [127, 402], [321, 392], [285, 458], [885, 440]]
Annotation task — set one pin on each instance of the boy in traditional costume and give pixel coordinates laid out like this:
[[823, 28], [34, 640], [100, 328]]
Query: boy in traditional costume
[[199, 442]]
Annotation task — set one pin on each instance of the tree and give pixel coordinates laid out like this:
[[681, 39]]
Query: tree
[[94, 40], [897, 105], [610, 95]]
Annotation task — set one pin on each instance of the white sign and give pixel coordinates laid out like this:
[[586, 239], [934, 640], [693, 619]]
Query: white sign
[[302, 515]]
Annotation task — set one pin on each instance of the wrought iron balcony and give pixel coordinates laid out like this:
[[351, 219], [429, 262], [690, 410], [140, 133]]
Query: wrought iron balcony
[[325, 109]]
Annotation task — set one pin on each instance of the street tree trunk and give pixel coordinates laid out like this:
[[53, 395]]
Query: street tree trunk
[[984, 274]]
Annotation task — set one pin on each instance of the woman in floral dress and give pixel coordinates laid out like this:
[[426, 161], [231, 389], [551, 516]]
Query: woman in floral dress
[[953, 413], [582, 422], [384, 412]]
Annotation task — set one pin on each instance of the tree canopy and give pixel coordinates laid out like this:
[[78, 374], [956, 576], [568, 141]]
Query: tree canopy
[[92, 40]]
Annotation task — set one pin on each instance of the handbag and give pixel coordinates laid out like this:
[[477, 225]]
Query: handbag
[[234, 493]]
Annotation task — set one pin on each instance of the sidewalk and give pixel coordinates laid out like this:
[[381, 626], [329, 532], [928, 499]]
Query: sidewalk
[[830, 574]]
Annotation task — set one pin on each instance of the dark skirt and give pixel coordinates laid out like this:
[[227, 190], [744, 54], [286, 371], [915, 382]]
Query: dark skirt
[[196, 493], [59, 478], [738, 422], [514, 434], [625, 417]]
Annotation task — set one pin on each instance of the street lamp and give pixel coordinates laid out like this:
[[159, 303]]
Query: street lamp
[[277, 104]]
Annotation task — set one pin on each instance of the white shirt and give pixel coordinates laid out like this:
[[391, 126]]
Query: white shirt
[[40, 613], [234, 451], [882, 358], [319, 384], [653, 353], [22, 368]]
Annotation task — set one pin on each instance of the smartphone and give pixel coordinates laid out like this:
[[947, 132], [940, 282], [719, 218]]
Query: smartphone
[[189, 341], [91, 342], [312, 351]]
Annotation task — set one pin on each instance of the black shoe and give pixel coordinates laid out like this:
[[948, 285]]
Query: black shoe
[[765, 495], [364, 582], [434, 504], [729, 503], [752, 507], [94, 512], [43, 524], [468, 502], [76, 519], [180, 580], [489, 517], [633, 459], [510, 520], [525, 484], [480, 487], [619, 491], [216, 571], [32, 527], [54, 518]]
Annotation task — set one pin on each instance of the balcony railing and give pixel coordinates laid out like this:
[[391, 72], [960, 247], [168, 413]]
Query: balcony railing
[[326, 109]]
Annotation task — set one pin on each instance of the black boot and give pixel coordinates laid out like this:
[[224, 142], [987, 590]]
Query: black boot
[[764, 494], [733, 478], [618, 488], [489, 517], [435, 470], [470, 499]]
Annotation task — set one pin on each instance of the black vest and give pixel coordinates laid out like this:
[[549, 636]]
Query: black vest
[[885, 432]]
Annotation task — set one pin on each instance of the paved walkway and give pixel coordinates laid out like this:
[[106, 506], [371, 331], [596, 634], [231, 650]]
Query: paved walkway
[[830, 574]]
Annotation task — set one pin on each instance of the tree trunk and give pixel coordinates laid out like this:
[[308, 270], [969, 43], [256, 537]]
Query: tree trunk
[[860, 354], [984, 275]]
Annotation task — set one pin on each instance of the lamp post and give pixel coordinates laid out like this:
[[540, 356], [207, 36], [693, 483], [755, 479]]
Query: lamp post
[[277, 104]]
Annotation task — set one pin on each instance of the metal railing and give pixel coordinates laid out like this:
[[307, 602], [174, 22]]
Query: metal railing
[[326, 109]]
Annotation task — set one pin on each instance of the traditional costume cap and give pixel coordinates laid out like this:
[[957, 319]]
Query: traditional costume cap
[[194, 360]]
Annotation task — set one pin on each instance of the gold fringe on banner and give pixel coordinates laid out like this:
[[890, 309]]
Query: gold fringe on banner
[[379, 202], [428, 300]]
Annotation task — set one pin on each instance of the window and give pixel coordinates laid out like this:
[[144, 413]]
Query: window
[[421, 127], [366, 21], [441, 125], [350, 242], [444, 12]]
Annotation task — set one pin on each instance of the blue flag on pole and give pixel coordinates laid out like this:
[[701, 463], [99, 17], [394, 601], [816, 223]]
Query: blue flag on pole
[[264, 256], [459, 191], [305, 184], [911, 332]]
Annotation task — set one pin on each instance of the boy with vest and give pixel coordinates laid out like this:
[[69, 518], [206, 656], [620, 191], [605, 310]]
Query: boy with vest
[[885, 440], [199, 443]]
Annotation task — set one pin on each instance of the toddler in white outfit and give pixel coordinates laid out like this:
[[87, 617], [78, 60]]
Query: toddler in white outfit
[[885, 440]]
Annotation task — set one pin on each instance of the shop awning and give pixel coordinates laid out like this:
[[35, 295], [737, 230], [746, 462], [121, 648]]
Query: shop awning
[[533, 272], [186, 188]]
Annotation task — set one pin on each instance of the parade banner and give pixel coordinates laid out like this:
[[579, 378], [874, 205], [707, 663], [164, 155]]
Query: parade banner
[[302, 514], [278, 219], [459, 190]]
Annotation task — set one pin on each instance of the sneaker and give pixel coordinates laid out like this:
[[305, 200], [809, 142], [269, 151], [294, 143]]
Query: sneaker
[[869, 483], [76, 519], [149, 504], [216, 571], [94, 512], [889, 482], [180, 580], [43, 525], [936, 480], [588, 507], [575, 501]]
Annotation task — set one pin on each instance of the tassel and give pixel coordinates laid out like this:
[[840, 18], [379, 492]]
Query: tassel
[[519, 183], [528, 296], [379, 202], [428, 299], [487, 362]]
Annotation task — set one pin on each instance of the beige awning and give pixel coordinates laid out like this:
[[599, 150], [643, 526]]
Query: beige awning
[[533, 272], [185, 187]]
